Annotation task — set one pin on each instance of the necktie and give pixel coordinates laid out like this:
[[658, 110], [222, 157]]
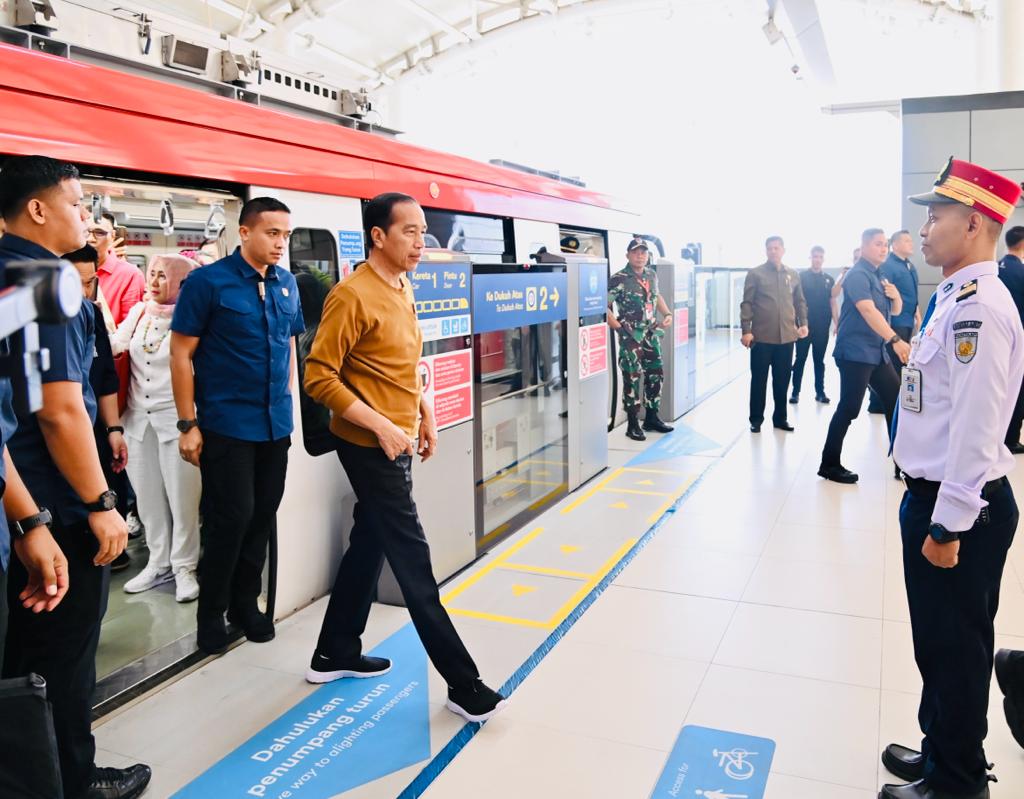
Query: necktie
[[896, 411]]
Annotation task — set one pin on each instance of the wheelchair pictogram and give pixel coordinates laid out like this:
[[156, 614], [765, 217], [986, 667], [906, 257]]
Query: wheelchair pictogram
[[735, 763]]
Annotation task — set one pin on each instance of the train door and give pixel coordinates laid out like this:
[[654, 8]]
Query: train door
[[316, 511]]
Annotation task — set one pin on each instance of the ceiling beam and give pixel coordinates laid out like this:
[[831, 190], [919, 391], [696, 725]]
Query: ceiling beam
[[425, 13]]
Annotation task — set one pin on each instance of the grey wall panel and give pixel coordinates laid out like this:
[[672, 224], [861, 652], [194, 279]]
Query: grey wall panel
[[930, 139], [996, 139]]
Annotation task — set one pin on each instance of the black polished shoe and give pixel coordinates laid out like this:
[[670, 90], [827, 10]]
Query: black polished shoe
[[794, 399], [822, 399], [903, 762], [838, 474], [1009, 668], [755, 428], [921, 790], [258, 627], [633, 430], [121, 562], [119, 783], [897, 472], [1016, 449], [212, 635], [784, 426], [653, 422]]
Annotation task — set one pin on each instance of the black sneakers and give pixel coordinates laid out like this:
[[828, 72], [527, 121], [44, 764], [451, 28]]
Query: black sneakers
[[475, 703], [838, 474], [119, 783], [822, 399], [257, 626], [323, 669]]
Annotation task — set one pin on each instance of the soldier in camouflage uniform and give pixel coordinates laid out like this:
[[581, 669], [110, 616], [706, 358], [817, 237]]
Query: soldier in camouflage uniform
[[641, 315]]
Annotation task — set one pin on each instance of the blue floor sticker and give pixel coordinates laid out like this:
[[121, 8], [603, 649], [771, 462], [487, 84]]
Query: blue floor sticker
[[683, 440], [714, 764], [346, 734]]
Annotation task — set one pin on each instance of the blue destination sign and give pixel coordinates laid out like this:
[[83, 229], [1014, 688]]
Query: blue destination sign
[[715, 764], [526, 298], [441, 289], [593, 289], [350, 245]]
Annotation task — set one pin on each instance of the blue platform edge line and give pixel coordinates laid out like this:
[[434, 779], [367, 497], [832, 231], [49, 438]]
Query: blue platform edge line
[[448, 753]]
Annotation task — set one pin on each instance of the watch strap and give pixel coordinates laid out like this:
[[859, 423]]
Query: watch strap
[[21, 527]]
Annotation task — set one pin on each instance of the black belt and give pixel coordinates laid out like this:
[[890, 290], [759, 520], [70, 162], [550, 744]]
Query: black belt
[[930, 488]]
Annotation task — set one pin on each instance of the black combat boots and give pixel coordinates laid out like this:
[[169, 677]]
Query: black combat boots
[[653, 422], [633, 430]]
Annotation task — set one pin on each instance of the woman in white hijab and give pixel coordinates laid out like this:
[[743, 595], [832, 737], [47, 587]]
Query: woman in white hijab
[[168, 488]]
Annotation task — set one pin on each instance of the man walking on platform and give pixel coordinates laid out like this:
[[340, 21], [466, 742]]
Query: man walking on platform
[[773, 315], [817, 288], [1011, 272], [363, 368]]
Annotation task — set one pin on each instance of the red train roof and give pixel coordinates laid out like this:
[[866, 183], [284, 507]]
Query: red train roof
[[91, 114]]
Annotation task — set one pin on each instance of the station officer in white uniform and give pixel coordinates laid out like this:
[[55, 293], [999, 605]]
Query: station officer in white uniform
[[958, 515]]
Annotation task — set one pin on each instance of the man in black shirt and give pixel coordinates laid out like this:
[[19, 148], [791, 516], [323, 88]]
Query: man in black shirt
[[1011, 272], [817, 288]]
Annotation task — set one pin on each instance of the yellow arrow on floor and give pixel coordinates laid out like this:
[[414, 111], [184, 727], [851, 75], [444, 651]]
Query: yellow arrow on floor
[[520, 590], [544, 473], [568, 549], [620, 506], [645, 482]]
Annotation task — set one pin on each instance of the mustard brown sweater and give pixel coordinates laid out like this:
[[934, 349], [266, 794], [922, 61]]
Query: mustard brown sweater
[[367, 347]]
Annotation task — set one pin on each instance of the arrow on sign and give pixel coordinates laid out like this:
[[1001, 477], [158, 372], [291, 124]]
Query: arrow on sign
[[554, 296], [569, 549], [520, 590]]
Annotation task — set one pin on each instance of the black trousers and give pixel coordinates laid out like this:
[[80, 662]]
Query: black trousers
[[875, 404], [1013, 431], [61, 646], [854, 379], [3, 610], [817, 341], [243, 482], [388, 526], [778, 358], [952, 614]]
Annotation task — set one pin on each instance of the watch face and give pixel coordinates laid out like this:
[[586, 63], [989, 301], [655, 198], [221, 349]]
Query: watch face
[[109, 500]]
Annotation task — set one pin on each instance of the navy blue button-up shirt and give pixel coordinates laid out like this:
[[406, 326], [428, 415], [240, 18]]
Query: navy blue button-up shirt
[[8, 424], [903, 275], [243, 361], [855, 340], [1011, 272], [72, 348]]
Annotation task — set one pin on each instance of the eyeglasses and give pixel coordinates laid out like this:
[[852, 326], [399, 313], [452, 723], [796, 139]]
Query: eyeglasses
[[98, 232]]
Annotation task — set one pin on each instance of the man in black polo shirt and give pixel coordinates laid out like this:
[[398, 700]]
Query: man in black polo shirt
[[1011, 272], [55, 453], [817, 288]]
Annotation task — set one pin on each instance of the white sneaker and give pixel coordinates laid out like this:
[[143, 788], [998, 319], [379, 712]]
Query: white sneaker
[[150, 577], [134, 523], [186, 588]]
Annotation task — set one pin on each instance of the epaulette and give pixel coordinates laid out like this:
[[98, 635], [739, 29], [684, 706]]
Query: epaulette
[[968, 289]]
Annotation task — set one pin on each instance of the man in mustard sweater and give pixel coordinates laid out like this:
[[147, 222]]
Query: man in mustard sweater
[[362, 367]]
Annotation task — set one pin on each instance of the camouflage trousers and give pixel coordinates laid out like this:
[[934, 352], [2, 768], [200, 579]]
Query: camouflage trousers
[[640, 359]]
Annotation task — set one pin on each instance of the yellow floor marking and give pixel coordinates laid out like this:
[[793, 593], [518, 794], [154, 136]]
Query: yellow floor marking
[[671, 500], [569, 549], [652, 471], [543, 473], [645, 482], [540, 503], [473, 579], [619, 506], [528, 481], [476, 614], [525, 567], [588, 586], [593, 490], [522, 590], [540, 460], [497, 531], [614, 490]]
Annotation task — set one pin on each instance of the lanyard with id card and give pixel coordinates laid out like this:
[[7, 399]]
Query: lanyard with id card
[[910, 391]]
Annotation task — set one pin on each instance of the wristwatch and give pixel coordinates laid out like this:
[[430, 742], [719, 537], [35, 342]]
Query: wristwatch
[[184, 425], [894, 339], [107, 501], [20, 528], [115, 428], [941, 535]]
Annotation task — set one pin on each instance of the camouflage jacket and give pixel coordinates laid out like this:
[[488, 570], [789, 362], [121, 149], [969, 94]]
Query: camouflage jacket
[[634, 298]]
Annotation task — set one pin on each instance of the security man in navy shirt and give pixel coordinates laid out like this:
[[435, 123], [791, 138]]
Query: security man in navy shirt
[[231, 369], [55, 454], [860, 351], [1011, 272], [817, 286], [899, 271]]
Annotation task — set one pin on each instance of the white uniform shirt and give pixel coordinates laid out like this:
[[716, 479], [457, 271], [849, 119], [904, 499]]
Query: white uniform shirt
[[971, 361], [150, 398]]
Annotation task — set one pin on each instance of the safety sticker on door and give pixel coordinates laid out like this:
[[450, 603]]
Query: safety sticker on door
[[715, 764]]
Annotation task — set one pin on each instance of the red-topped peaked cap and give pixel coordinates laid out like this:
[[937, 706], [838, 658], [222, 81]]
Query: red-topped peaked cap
[[973, 186]]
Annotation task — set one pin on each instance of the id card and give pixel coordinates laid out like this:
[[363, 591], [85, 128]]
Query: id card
[[910, 394]]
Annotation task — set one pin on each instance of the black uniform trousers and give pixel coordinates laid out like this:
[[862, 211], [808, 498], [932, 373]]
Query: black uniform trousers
[[60, 645], [817, 339], [778, 358], [1013, 431], [875, 404], [388, 526], [243, 482], [854, 379], [952, 614]]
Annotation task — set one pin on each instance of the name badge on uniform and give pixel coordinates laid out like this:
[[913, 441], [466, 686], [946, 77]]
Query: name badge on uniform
[[910, 394]]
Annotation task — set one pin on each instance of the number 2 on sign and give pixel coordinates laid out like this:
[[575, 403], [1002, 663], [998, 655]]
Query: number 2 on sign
[[543, 298]]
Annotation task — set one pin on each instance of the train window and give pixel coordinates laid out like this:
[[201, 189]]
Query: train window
[[277, 77], [468, 233], [334, 95], [266, 74], [314, 261], [306, 85], [316, 90], [287, 81]]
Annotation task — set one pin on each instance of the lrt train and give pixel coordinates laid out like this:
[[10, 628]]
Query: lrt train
[[174, 165]]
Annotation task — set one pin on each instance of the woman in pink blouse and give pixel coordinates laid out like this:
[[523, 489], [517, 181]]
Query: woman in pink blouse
[[168, 487]]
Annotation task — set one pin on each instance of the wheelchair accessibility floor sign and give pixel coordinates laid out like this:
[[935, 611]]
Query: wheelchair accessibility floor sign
[[714, 764]]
